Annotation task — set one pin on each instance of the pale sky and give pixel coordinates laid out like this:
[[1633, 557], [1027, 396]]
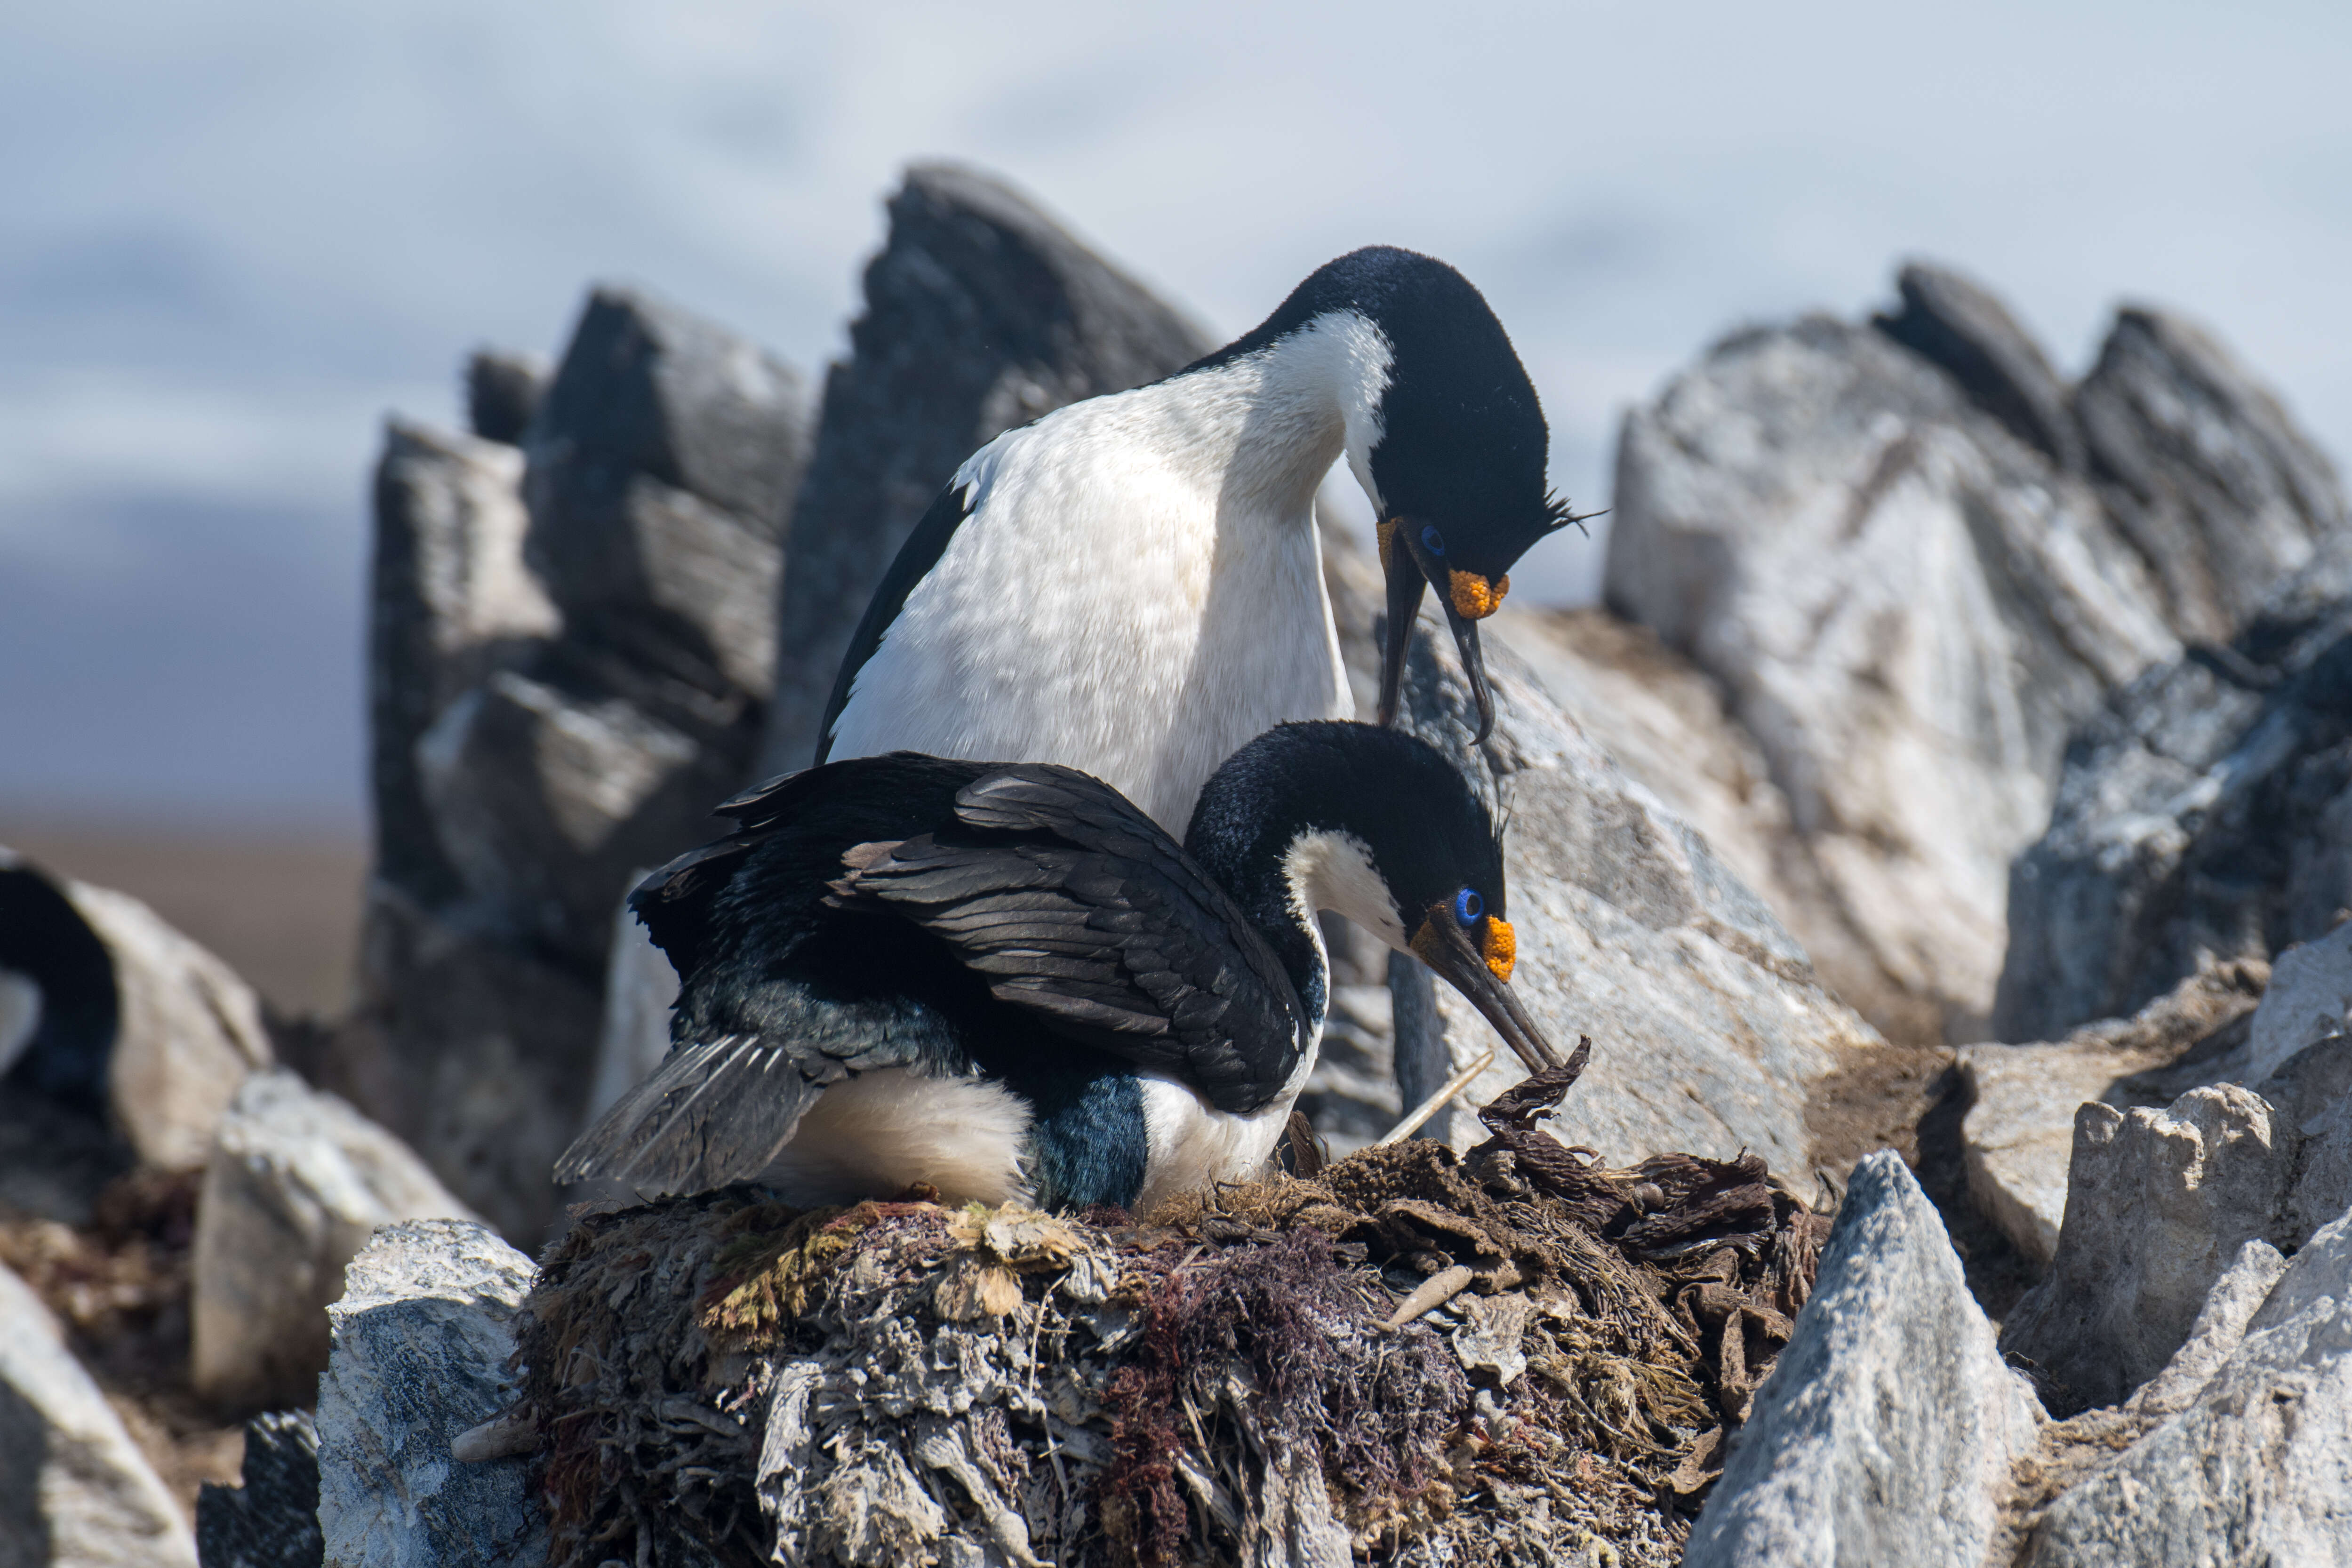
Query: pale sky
[[232, 237]]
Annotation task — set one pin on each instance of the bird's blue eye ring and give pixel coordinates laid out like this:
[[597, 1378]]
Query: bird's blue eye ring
[[1468, 906], [1432, 542]]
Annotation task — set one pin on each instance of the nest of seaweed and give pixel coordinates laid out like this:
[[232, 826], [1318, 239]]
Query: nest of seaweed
[[1408, 1356]]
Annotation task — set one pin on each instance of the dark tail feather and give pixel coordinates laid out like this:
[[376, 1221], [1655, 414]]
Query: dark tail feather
[[712, 1114]]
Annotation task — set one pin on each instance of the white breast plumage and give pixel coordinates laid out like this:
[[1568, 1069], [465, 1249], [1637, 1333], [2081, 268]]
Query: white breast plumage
[[1137, 589]]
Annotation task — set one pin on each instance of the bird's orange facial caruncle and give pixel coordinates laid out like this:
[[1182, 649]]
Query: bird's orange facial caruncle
[[1475, 597], [1497, 946]]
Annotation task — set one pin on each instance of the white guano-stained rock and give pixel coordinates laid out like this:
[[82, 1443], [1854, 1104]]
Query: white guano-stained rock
[[420, 1340], [1908, 607], [2018, 1139], [298, 1182], [2309, 998], [1887, 1430], [2159, 1204], [2257, 1468], [75, 1491], [188, 1029], [1708, 1024]]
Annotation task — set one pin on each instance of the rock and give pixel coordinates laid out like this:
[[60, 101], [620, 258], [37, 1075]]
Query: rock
[[2309, 998], [2018, 1138], [1887, 1430], [472, 1049], [1662, 719], [134, 1020], [2256, 1469], [1963, 328], [548, 799], [298, 1182], [1708, 1025], [563, 690], [503, 389], [2202, 467], [420, 1340], [640, 988], [663, 462], [272, 1519], [74, 1489], [2220, 1327], [2206, 811], [1908, 609], [981, 312], [450, 602], [2159, 1204]]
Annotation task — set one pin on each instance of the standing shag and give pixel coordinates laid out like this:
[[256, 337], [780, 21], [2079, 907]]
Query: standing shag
[[1132, 586], [1006, 981]]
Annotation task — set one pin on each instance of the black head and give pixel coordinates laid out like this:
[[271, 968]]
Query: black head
[[1330, 801], [1457, 472]]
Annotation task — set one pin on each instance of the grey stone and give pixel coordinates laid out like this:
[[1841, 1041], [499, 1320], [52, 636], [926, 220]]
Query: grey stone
[[1964, 329], [2220, 1327], [297, 1183], [647, 388], [640, 987], [503, 389], [450, 601], [474, 1050], [2205, 811], [2018, 1138], [1708, 1025], [74, 1489], [1887, 1430], [2215, 484], [2159, 1204], [1908, 609], [2309, 998], [546, 799], [981, 312], [2257, 1468], [271, 1519], [134, 1021], [421, 1339]]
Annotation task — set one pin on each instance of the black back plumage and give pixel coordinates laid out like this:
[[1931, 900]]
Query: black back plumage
[[905, 911]]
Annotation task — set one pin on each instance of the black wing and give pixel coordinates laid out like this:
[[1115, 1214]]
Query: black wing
[[913, 563], [1077, 907]]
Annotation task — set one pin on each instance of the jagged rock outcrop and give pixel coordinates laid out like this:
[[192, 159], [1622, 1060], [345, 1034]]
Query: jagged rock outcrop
[[2205, 811], [1908, 609], [981, 312], [1915, 561], [570, 664], [2243, 1453], [122, 1018], [503, 389], [2018, 1136], [2159, 1204], [1886, 1431], [298, 1182], [2203, 470], [422, 1335], [1708, 1026], [74, 1489]]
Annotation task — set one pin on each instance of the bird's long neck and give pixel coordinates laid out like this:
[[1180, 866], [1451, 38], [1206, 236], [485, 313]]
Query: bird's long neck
[[1278, 413], [1257, 835]]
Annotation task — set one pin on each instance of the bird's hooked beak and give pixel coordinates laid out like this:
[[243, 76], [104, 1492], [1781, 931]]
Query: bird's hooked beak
[[1467, 598], [1482, 973]]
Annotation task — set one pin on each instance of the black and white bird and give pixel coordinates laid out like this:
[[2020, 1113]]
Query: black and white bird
[[1132, 586], [1007, 982]]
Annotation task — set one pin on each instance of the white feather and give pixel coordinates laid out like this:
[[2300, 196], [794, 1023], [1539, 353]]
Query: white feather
[[1139, 590], [875, 1133]]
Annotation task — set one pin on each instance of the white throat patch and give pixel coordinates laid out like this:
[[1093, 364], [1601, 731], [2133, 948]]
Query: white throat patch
[[1332, 870]]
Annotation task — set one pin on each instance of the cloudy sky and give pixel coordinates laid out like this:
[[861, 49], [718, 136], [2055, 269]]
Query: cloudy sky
[[236, 235]]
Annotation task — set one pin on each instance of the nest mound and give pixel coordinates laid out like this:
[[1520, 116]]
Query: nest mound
[[1408, 1356]]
